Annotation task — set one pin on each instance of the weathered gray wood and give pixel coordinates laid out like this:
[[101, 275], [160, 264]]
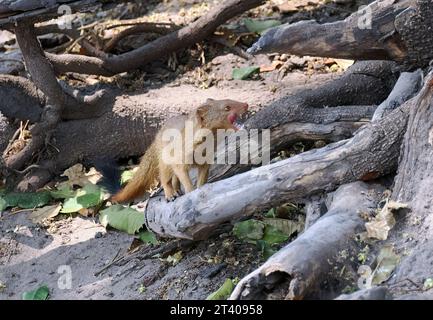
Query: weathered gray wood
[[12, 11], [407, 85], [400, 30], [306, 261]]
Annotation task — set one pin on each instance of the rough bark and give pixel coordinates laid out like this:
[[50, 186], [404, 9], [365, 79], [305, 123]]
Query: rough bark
[[12, 11], [371, 153], [306, 262], [413, 186], [400, 31], [43, 76], [20, 98], [6, 132], [408, 84]]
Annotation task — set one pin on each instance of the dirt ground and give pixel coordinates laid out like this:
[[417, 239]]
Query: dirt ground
[[32, 255]]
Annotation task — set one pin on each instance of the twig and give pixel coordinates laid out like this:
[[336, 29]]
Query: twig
[[115, 260]]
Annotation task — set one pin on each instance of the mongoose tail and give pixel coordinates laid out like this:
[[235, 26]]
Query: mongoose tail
[[143, 180]]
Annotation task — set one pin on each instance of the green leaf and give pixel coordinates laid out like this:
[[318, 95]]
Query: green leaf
[[224, 291], [91, 195], [148, 237], [274, 236], [40, 293], [64, 192], [26, 200], [244, 73], [270, 213], [126, 176], [260, 26], [122, 218], [250, 230], [285, 226], [3, 204], [265, 249]]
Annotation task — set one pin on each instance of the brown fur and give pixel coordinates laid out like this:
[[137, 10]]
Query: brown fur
[[212, 115]]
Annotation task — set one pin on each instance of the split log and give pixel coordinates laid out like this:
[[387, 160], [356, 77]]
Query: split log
[[371, 153], [306, 261], [392, 30]]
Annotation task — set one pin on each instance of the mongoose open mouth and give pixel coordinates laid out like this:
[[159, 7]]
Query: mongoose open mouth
[[236, 121]]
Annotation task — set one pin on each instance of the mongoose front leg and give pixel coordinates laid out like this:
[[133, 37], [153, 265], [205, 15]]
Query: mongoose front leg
[[166, 182], [181, 171], [203, 174]]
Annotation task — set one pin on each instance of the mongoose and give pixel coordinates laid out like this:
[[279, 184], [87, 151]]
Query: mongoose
[[212, 115]]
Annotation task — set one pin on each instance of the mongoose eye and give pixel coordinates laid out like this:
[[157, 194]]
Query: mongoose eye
[[227, 108]]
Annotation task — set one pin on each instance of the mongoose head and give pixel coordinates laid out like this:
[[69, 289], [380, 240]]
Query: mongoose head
[[221, 114]]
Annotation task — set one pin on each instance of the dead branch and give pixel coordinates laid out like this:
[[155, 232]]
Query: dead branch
[[399, 31], [176, 40]]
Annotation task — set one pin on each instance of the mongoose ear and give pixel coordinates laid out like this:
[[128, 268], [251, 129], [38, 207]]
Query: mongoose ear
[[209, 100], [201, 113]]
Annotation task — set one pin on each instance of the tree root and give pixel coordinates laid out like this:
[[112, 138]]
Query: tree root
[[194, 32]]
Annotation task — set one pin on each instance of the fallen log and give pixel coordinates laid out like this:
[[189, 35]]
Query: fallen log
[[384, 30], [306, 262]]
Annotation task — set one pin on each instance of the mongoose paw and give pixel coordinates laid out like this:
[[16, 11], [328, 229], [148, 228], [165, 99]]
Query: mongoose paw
[[170, 199]]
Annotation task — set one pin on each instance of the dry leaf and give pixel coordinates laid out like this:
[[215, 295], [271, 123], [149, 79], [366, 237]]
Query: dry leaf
[[268, 68], [77, 175], [380, 226], [344, 63], [41, 214]]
